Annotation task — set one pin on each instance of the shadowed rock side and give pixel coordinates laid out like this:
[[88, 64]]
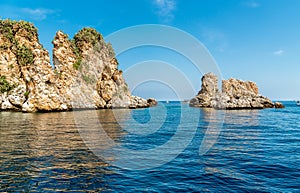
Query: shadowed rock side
[[85, 73], [235, 94]]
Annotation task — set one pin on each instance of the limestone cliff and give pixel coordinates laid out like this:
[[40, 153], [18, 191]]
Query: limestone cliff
[[235, 94], [85, 72]]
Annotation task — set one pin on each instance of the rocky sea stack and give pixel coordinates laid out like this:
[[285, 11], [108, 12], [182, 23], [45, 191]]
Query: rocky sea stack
[[235, 94], [84, 74]]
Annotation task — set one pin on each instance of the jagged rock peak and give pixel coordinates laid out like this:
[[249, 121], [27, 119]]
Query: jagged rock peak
[[235, 94], [25, 65], [85, 73]]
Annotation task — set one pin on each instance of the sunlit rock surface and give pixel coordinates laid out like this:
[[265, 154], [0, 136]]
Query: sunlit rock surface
[[85, 72], [235, 94]]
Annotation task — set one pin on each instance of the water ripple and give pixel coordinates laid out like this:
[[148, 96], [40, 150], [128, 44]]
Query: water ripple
[[257, 151]]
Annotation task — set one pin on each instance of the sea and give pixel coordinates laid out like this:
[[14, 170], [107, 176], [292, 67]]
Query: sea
[[168, 148]]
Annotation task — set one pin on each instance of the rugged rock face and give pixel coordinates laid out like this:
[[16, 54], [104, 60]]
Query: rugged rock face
[[236, 94], [25, 68], [85, 73], [138, 102], [209, 90]]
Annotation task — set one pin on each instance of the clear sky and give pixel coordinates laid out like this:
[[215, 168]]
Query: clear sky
[[256, 40]]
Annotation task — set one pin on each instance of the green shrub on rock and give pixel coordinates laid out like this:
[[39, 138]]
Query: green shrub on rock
[[77, 63], [9, 28], [26, 94], [29, 27], [24, 55], [88, 35], [6, 29], [111, 51], [5, 86]]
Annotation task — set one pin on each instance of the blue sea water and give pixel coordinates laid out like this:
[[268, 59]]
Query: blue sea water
[[200, 150]]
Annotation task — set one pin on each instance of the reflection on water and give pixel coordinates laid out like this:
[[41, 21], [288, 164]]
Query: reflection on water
[[242, 117], [45, 151], [254, 151], [233, 119], [214, 119], [101, 131], [235, 149]]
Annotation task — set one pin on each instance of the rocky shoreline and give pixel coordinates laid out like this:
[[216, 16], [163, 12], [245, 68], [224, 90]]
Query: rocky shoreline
[[235, 94], [84, 74]]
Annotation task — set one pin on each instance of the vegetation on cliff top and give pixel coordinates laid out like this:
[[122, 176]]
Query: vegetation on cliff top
[[85, 36], [9, 30], [88, 35]]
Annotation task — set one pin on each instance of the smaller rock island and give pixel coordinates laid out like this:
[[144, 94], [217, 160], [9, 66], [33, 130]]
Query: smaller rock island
[[235, 94]]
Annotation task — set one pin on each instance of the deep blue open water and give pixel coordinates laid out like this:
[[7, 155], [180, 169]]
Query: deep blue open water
[[252, 151]]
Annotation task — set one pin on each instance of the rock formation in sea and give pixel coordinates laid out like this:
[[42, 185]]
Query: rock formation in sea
[[235, 94], [85, 72], [279, 105]]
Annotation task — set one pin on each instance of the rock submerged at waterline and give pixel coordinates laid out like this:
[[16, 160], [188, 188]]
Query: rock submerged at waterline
[[235, 94], [84, 75], [279, 105]]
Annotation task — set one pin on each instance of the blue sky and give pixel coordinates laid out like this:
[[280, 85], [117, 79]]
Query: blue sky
[[256, 40]]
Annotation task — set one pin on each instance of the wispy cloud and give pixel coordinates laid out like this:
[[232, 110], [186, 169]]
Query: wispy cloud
[[279, 52], [25, 13], [214, 37], [165, 9], [37, 14], [252, 4]]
